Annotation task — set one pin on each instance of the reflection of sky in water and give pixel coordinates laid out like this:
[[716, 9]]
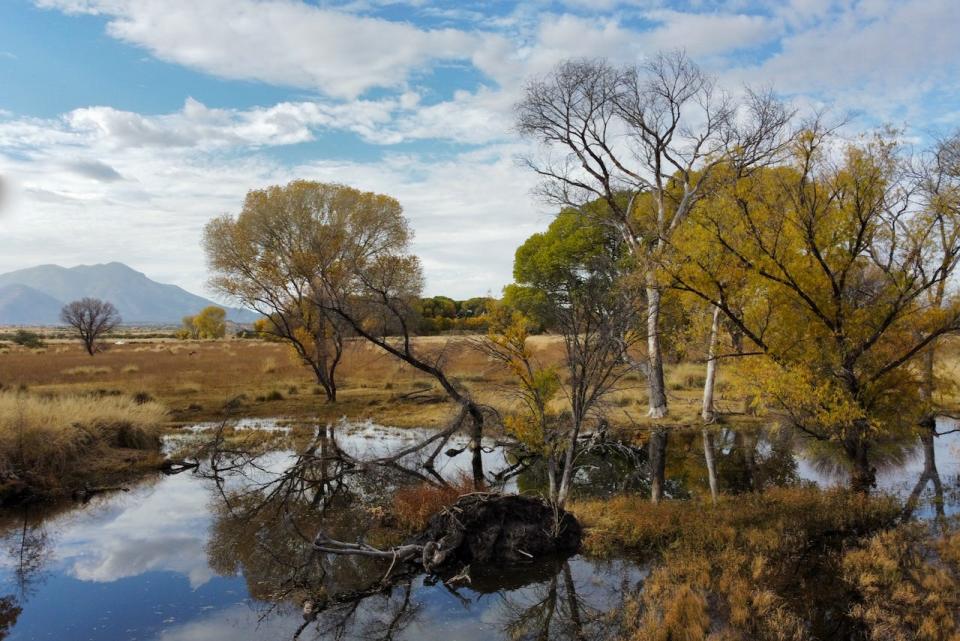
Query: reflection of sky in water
[[900, 479], [133, 566]]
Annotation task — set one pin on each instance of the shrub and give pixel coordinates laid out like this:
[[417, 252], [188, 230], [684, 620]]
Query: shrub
[[130, 369], [275, 395], [27, 339], [269, 365], [413, 505]]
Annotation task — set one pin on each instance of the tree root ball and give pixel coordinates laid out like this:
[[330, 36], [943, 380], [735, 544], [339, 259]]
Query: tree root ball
[[497, 530]]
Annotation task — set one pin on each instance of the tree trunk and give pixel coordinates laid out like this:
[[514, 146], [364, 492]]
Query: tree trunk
[[566, 478], [658, 396], [476, 451], [552, 478], [710, 457], [708, 414], [658, 463], [863, 476]]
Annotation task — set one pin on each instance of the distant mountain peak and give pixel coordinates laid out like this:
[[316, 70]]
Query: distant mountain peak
[[139, 299]]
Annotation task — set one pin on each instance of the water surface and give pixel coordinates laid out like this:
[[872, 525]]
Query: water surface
[[171, 559]]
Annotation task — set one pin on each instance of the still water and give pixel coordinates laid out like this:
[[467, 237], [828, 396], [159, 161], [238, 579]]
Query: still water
[[173, 559]]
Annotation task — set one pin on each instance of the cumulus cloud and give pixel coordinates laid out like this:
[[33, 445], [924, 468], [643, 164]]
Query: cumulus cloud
[[283, 42], [139, 187]]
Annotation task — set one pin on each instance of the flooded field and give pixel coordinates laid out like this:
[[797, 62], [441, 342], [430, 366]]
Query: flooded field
[[204, 554]]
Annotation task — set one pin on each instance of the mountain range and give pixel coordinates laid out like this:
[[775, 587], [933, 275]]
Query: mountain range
[[34, 296]]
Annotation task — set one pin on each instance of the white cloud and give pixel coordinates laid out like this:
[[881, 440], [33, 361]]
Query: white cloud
[[470, 209], [284, 42]]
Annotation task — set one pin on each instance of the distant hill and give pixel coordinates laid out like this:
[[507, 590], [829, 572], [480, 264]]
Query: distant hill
[[22, 305], [35, 295]]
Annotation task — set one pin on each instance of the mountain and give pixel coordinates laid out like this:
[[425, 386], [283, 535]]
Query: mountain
[[22, 305], [26, 295]]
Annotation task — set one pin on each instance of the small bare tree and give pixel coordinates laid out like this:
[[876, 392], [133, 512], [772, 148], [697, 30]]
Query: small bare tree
[[90, 318]]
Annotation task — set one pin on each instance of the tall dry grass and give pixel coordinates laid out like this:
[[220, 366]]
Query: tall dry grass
[[52, 443]]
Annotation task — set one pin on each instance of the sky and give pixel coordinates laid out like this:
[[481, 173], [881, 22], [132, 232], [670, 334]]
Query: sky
[[125, 125]]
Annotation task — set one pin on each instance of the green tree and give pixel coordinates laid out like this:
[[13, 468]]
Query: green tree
[[576, 270]]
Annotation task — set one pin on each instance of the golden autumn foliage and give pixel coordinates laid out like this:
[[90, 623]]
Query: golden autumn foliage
[[837, 275], [909, 584]]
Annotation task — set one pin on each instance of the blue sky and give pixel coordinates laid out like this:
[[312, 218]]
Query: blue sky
[[126, 124]]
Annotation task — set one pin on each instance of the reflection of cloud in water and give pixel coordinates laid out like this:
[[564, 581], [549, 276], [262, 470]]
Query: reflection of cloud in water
[[161, 527], [236, 623]]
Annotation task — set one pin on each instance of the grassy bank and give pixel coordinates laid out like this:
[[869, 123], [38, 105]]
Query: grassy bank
[[786, 564], [51, 445]]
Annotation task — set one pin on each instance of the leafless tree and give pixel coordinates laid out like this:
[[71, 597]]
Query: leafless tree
[[378, 306], [90, 318], [646, 139]]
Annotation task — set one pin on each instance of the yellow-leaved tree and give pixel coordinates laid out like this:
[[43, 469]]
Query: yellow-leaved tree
[[829, 264]]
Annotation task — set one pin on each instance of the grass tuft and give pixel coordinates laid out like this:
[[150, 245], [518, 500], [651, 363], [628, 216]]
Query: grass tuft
[[51, 443]]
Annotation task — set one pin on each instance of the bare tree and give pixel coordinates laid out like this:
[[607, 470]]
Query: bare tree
[[378, 304], [646, 139], [90, 318]]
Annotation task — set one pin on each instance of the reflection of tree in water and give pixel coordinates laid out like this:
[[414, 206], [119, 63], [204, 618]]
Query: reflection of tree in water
[[887, 451], [928, 476], [264, 524], [552, 610], [27, 545], [754, 459]]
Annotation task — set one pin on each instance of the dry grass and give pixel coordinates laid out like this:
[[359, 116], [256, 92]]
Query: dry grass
[[758, 566], [51, 443], [196, 378], [87, 370], [415, 504]]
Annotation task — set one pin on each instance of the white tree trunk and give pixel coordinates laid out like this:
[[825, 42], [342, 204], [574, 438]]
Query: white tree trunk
[[708, 413], [710, 457], [658, 396]]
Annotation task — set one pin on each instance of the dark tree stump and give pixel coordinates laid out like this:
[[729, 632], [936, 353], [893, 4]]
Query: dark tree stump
[[497, 530]]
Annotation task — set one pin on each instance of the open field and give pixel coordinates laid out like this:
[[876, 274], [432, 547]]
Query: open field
[[197, 379]]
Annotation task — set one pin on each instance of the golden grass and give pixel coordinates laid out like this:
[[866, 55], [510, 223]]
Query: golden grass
[[195, 379], [756, 566], [87, 370], [48, 443]]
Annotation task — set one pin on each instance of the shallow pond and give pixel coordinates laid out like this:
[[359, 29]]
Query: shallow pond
[[172, 559]]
